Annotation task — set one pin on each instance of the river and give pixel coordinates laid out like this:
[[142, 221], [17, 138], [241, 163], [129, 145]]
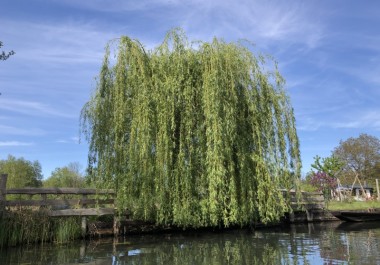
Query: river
[[313, 243]]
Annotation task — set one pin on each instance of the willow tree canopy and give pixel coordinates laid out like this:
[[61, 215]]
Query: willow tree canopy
[[192, 133]]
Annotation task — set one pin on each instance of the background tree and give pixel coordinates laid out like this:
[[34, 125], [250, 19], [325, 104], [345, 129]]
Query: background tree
[[324, 183], [68, 177], [5, 55], [329, 165], [192, 136], [21, 172], [360, 155], [323, 175]]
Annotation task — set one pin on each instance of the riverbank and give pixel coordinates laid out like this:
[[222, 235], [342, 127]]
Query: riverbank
[[318, 215], [27, 226], [352, 205], [138, 227]]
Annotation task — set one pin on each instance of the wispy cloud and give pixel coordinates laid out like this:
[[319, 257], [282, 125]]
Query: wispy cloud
[[120, 5], [258, 20], [364, 120], [369, 119], [15, 143], [33, 108], [71, 140], [11, 130], [66, 42], [263, 20], [308, 124], [277, 20], [367, 70]]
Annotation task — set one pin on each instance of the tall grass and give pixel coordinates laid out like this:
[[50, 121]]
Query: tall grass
[[66, 229], [27, 226]]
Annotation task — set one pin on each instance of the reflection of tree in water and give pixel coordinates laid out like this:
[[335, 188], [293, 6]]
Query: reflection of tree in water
[[350, 242], [363, 245], [39, 254], [300, 244], [230, 248], [210, 248], [237, 250], [333, 245], [234, 247]]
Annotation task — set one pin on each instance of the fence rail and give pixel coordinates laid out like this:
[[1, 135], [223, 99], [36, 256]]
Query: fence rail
[[77, 191], [66, 207], [60, 206], [308, 201]]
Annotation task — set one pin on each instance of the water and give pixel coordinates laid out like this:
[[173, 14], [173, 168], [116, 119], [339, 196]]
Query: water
[[324, 243]]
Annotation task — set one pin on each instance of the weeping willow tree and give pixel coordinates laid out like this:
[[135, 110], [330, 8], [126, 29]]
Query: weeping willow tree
[[192, 133]]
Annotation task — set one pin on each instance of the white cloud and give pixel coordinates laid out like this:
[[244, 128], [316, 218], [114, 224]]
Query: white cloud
[[67, 42], [257, 20], [73, 42], [33, 108], [72, 140], [283, 21], [120, 5], [11, 130], [369, 119], [308, 124], [364, 120], [62, 141], [75, 139], [367, 72], [15, 143]]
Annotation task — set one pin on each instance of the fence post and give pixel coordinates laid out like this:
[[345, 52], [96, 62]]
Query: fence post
[[84, 219], [3, 192], [377, 189], [116, 225]]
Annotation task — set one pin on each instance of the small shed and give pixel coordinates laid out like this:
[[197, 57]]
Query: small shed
[[356, 190]]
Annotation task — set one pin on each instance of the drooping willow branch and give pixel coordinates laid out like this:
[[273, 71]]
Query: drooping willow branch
[[192, 135]]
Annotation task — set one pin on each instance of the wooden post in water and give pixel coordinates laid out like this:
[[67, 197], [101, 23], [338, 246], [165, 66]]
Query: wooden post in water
[[309, 215], [291, 217], [82, 250], [3, 192], [116, 225], [84, 220], [377, 188], [84, 226]]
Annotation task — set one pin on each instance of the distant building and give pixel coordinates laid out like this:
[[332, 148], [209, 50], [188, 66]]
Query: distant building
[[356, 191]]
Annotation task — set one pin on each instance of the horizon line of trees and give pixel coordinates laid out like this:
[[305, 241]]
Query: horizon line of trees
[[24, 173]]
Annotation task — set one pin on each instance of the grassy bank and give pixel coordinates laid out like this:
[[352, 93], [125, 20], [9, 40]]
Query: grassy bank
[[27, 226], [352, 205]]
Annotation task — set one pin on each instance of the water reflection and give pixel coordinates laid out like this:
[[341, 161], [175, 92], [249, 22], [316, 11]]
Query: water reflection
[[329, 243]]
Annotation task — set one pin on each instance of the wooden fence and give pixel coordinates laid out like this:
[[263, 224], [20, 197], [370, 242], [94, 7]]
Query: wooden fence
[[308, 202], [58, 206]]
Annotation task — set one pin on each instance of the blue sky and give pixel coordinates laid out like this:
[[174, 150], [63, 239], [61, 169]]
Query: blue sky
[[328, 52]]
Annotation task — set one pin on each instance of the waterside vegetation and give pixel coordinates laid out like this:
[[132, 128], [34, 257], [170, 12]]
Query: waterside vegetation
[[27, 226], [31, 215]]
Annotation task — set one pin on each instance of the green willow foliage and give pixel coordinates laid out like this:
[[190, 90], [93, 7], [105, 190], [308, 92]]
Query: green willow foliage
[[192, 134]]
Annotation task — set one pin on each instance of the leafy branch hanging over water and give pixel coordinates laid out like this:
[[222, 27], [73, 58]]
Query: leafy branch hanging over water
[[192, 134]]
